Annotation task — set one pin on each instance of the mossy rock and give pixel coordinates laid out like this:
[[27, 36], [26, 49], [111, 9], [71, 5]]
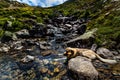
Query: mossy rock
[[7, 36]]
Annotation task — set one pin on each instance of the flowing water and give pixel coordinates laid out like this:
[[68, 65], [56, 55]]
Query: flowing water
[[43, 68], [50, 67]]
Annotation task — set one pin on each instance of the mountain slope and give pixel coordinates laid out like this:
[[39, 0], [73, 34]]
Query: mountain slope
[[42, 3], [7, 3], [102, 14]]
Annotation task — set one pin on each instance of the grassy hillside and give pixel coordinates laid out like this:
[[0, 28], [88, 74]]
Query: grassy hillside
[[17, 13], [103, 14]]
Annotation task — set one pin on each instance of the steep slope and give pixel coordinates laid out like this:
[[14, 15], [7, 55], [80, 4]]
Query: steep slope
[[103, 14], [20, 12], [7, 3]]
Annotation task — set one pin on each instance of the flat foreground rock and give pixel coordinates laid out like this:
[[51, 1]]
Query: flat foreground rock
[[82, 68]]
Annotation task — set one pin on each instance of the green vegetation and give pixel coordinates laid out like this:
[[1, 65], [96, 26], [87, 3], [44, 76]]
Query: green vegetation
[[103, 14]]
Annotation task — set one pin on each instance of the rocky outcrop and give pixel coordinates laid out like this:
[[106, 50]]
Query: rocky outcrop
[[23, 33], [7, 36], [82, 68], [38, 30]]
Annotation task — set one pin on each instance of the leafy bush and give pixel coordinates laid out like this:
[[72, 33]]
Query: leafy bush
[[116, 21], [1, 33], [17, 25]]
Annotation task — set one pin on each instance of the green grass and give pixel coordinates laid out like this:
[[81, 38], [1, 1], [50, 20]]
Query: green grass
[[104, 16]]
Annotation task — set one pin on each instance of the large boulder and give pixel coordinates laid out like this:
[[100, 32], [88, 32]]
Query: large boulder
[[81, 29], [82, 68], [84, 40], [38, 30]]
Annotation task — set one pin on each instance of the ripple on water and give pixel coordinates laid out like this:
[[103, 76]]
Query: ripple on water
[[10, 70], [7, 66]]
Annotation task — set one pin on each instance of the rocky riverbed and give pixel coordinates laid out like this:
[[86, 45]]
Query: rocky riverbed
[[37, 53]]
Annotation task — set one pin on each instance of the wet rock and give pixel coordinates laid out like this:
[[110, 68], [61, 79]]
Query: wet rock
[[85, 37], [104, 52], [50, 32], [62, 19], [38, 30], [89, 34], [117, 58], [82, 68], [115, 52], [45, 45], [53, 31], [68, 25], [60, 75], [56, 70], [48, 52], [43, 70], [46, 61], [46, 78], [7, 36], [49, 26], [27, 59], [115, 0], [116, 69], [25, 67], [16, 45], [35, 50], [8, 68], [75, 22], [28, 43], [26, 63], [23, 33], [81, 29], [59, 37], [4, 49], [50, 73], [93, 47]]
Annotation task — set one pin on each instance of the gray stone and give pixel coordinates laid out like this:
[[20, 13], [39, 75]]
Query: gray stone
[[93, 47], [4, 49], [7, 36], [86, 36], [68, 25], [23, 33], [83, 68], [81, 29], [38, 30], [27, 59], [104, 52]]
